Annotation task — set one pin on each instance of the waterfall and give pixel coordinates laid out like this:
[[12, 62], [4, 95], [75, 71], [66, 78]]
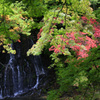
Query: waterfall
[[38, 67], [39, 71], [21, 74], [10, 68], [1, 93]]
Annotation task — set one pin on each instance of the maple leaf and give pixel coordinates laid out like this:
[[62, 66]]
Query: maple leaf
[[18, 40]]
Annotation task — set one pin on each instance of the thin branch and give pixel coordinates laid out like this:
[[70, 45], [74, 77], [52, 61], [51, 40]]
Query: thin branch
[[65, 13], [4, 17], [93, 92], [85, 92], [2, 64], [60, 9]]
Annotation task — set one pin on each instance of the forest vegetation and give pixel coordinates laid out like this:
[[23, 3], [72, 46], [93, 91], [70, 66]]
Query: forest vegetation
[[68, 31]]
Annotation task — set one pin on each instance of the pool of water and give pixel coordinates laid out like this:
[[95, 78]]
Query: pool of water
[[27, 98]]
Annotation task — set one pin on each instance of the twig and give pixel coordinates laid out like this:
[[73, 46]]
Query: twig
[[2, 64]]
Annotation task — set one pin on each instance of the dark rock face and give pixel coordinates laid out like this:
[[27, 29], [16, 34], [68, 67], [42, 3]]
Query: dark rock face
[[19, 73]]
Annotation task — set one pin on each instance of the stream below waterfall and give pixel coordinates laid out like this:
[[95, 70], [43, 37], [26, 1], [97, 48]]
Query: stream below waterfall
[[27, 98]]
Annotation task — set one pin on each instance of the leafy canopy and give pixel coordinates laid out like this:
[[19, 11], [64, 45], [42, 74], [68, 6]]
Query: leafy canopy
[[13, 22]]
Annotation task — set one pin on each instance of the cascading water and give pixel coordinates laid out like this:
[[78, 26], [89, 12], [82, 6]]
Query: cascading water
[[0, 92], [10, 68], [20, 74], [39, 70], [38, 67]]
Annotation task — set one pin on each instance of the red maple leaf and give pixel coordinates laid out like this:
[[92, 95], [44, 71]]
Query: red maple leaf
[[18, 40]]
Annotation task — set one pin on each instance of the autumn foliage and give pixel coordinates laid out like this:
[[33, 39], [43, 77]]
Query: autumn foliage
[[83, 43]]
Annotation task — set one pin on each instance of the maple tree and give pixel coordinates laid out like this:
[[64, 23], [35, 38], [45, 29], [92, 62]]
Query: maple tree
[[83, 43], [71, 33]]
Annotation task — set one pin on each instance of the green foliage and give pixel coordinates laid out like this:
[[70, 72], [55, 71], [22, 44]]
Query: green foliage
[[60, 29], [83, 74], [59, 21], [97, 13], [35, 8], [96, 7], [95, 1], [13, 22], [70, 15], [53, 95]]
